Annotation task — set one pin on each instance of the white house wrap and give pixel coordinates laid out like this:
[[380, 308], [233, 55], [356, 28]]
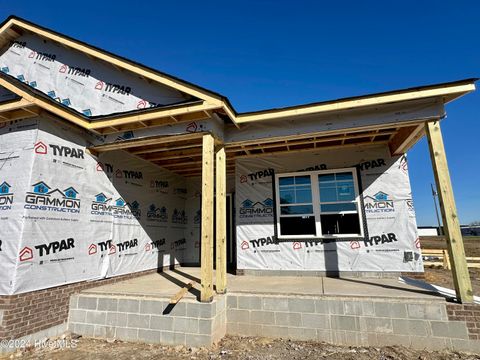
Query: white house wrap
[[103, 163], [390, 243]]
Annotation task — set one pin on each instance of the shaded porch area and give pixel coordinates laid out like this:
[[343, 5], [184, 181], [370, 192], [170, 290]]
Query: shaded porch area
[[167, 283]]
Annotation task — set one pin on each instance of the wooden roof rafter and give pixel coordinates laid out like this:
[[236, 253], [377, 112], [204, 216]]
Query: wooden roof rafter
[[18, 109]]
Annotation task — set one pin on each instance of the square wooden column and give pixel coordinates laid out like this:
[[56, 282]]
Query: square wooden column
[[208, 179], [451, 224], [221, 221]]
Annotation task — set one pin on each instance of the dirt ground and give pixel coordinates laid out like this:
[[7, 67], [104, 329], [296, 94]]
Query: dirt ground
[[241, 348], [441, 277]]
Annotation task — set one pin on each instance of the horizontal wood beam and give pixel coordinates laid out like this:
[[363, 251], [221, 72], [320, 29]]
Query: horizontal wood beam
[[320, 134], [154, 140], [171, 155], [155, 149], [310, 140], [368, 143], [21, 103], [156, 115], [348, 104]]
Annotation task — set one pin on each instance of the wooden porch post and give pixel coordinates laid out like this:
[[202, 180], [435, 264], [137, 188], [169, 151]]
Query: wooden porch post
[[221, 221], [451, 224], [208, 179]]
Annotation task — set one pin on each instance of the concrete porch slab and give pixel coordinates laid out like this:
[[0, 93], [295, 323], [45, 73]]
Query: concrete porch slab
[[166, 284]]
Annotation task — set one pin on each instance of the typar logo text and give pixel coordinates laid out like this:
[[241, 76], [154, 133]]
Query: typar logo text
[[45, 198], [372, 164], [43, 251], [6, 196], [380, 239], [250, 209], [378, 203], [59, 150], [263, 244], [157, 245], [262, 176], [160, 186]]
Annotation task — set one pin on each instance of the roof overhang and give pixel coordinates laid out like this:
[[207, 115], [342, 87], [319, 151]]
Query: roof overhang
[[14, 27], [446, 92]]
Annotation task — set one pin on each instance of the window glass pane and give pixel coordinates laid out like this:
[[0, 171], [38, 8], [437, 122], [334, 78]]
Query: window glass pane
[[345, 191], [340, 224], [328, 194], [295, 190], [285, 181], [336, 187], [344, 176], [301, 225], [326, 177], [298, 209], [304, 196], [338, 207], [299, 180], [287, 196]]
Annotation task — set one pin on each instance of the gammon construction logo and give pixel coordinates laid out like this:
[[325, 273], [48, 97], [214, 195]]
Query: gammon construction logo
[[123, 210], [6, 196], [250, 209], [157, 214], [100, 206], [45, 198], [378, 203], [179, 217]]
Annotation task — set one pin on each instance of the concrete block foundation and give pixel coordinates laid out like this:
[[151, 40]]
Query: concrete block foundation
[[430, 324], [150, 320], [417, 323]]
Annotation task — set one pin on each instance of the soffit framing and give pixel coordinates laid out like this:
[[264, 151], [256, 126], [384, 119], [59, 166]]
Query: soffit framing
[[182, 154]]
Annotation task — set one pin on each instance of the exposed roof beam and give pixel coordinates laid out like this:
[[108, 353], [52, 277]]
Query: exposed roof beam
[[162, 139]]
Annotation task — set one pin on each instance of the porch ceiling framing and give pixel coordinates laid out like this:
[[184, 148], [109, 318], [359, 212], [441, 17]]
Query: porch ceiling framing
[[182, 154], [18, 109]]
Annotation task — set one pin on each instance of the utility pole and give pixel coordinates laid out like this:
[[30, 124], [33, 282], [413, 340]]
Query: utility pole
[[434, 194]]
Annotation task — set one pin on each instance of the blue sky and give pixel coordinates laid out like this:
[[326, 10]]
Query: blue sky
[[264, 54]]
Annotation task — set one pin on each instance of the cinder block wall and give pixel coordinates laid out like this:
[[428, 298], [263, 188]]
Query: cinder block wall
[[129, 318], [29, 313], [356, 321]]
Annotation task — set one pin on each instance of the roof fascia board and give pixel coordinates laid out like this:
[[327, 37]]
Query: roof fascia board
[[20, 103], [126, 65], [357, 103], [58, 110], [391, 115], [44, 103], [449, 91], [150, 115]]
